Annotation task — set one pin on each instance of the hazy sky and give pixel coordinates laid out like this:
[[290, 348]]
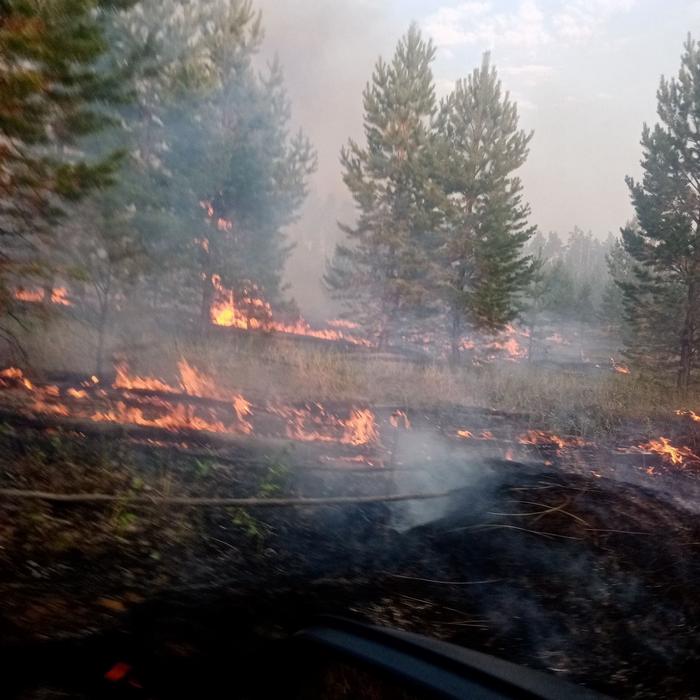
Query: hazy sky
[[584, 74]]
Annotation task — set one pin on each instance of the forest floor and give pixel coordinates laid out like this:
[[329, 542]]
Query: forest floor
[[563, 544]]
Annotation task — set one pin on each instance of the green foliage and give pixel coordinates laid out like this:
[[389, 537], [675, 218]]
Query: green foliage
[[484, 272], [612, 308], [54, 91], [384, 270], [662, 300], [441, 222]]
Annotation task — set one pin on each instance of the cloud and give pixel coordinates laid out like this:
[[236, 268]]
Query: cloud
[[526, 26], [581, 20], [478, 23], [528, 73]]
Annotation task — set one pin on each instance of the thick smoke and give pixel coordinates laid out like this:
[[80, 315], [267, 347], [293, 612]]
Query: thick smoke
[[328, 49]]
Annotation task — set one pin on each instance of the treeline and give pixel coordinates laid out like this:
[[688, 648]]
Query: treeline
[[442, 227]]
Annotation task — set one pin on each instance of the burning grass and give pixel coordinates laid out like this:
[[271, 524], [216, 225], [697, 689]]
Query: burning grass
[[587, 401]]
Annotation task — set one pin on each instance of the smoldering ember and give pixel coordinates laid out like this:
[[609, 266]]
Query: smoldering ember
[[244, 383]]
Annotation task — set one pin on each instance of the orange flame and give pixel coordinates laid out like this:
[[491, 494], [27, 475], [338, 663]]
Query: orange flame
[[178, 417], [254, 313], [670, 453], [399, 420], [690, 414], [540, 437], [617, 367], [59, 296], [18, 375], [316, 425], [29, 295], [126, 381]]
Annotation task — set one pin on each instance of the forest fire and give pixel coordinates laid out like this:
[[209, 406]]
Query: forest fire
[[506, 345], [619, 368], [58, 296], [540, 438], [688, 414], [250, 312], [314, 424], [679, 456], [176, 417], [153, 403]]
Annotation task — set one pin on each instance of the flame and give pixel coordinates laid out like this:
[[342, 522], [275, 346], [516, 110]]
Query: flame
[[196, 383], [77, 393], [178, 417], [511, 347], [126, 381], [540, 437], [400, 420], [254, 313], [59, 296], [486, 435], [620, 369], [16, 374], [361, 428], [314, 424], [690, 414], [342, 323], [670, 453], [208, 207], [221, 223], [29, 295], [465, 434]]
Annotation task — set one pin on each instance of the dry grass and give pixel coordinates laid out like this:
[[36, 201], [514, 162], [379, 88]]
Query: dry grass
[[579, 402]]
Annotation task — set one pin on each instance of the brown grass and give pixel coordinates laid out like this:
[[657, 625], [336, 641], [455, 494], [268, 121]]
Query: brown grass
[[579, 402]]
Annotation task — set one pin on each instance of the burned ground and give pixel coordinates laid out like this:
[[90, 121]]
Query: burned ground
[[570, 556]]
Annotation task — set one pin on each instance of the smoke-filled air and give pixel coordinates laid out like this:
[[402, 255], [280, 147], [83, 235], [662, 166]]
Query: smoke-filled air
[[388, 311]]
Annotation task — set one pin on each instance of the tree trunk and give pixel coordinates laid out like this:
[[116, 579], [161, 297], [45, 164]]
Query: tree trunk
[[531, 340], [687, 341], [207, 299], [103, 299], [455, 333], [101, 332]]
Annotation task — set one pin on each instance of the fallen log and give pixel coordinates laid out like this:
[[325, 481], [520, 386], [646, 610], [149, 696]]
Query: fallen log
[[217, 502]]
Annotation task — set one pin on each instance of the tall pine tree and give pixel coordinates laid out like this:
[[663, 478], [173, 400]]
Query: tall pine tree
[[662, 302], [384, 270], [484, 271], [53, 93]]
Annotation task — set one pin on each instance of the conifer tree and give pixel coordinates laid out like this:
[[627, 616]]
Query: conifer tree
[[619, 272], [53, 93], [484, 271], [662, 302], [384, 269]]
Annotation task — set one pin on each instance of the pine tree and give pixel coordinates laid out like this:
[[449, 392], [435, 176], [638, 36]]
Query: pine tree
[[53, 93], [484, 271], [384, 270], [253, 175], [619, 272], [662, 303]]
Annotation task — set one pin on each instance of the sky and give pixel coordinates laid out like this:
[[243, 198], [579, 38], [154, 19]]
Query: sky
[[584, 74]]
